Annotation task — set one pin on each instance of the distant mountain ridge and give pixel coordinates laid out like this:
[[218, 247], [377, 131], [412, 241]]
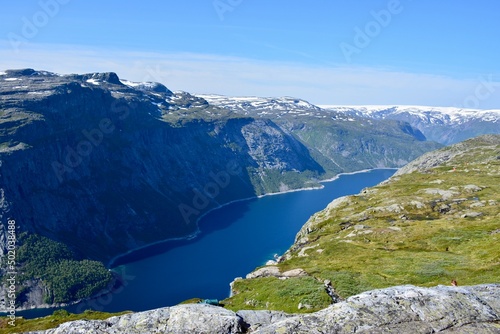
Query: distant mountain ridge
[[337, 140], [445, 125]]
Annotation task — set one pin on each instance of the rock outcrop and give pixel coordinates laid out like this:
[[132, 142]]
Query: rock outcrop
[[400, 309]]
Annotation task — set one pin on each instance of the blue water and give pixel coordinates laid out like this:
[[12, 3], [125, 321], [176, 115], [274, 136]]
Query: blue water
[[234, 240]]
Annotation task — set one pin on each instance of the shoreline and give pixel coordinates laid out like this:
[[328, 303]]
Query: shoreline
[[198, 231]]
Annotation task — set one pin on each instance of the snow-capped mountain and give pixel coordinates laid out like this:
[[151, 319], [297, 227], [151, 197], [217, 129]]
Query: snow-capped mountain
[[446, 125], [268, 106]]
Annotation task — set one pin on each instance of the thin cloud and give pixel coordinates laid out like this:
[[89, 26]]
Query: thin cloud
[[235, 76]]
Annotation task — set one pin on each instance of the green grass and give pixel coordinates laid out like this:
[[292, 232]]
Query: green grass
[[52, 321], [426, 247], [274, 294]]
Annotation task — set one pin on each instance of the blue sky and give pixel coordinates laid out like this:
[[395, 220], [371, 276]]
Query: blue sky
[[426, 52]]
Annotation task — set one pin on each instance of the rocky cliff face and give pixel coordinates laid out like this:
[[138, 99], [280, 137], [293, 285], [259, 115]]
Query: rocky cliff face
[[401, 309]]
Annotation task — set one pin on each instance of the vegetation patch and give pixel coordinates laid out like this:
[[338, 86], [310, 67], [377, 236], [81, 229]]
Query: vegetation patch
[[293, 295], [52, 321], [54, 264]]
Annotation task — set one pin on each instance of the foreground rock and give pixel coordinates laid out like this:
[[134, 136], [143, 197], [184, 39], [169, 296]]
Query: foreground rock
[[401, 309]]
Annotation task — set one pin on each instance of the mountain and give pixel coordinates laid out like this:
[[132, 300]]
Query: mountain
[[338, 141], [445, 125], [92, 166], [436, 220]]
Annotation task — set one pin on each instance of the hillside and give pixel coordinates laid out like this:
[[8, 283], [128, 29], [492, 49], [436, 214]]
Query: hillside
[[436, 220]]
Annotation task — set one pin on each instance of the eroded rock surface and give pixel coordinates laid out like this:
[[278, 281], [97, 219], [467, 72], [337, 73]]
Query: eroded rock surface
[[400, 309]]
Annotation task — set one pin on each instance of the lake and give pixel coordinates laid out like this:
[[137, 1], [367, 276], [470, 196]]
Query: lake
[[234, 240]]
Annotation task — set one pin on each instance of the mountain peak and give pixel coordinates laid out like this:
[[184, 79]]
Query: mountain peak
[[109, 77]]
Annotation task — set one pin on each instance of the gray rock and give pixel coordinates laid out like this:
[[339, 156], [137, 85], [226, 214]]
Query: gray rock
[[400, 309], [471, 188], [360, 227], [256, 319], [182, 319], [264, 272], [472, 214], [404, 309], [445, 194], [274, 271]]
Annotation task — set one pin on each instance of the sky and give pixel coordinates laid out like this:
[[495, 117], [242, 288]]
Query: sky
[[337, 52]]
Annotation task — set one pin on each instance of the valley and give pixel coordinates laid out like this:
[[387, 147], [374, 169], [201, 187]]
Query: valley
[[93, 166]]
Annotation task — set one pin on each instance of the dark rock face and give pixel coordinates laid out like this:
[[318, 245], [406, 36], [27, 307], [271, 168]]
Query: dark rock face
[[401, 309]]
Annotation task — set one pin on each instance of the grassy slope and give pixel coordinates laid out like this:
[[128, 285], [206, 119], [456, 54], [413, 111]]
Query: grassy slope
[[396, 233]]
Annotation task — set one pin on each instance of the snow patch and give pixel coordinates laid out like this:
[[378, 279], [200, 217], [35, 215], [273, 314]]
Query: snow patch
[[93, 81], [148, 85], [12, 79], [130, 83], [428, 114]]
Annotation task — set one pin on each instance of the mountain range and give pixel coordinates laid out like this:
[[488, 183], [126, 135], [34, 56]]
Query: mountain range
[[445, 125]]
